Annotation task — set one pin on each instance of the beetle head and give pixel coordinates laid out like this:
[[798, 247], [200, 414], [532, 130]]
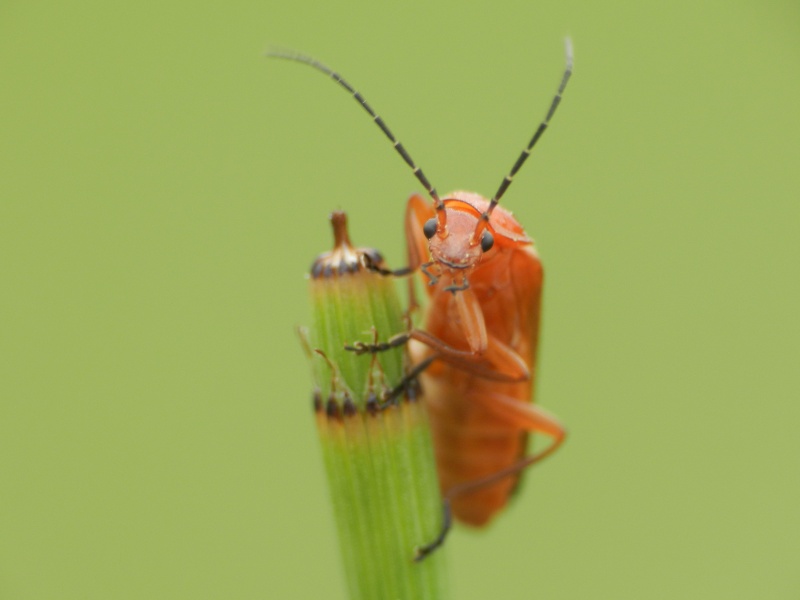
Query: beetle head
[[460, 240]]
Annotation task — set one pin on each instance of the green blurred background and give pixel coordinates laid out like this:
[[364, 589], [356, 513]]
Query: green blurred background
[[163, 189]]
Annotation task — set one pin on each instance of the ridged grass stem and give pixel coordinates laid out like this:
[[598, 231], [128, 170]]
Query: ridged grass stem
[[376, 446]]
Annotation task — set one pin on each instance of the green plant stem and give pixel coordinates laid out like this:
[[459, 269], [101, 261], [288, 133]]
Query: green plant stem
[[378, 455]]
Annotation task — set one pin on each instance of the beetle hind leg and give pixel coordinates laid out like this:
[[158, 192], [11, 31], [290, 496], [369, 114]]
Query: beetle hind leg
[[521, 416], [421, 552]]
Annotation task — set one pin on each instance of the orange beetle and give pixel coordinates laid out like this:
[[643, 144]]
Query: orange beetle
[[477, 353]]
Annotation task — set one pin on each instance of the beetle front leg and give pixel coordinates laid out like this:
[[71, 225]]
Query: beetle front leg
[[499, 363], [391, 272], [433, 278], [402, 338], [393, 342]]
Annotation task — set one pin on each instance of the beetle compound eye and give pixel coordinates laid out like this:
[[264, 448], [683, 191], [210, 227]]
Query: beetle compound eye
[[487, 240], [429, 229]]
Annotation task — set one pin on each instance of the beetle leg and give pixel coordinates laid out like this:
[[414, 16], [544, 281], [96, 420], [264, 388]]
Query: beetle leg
[[524, 417], [422, 552], [407, 380], [444, 351], [527, 417], [393, 342], [472, 320], [433, 278], [503, 359], [487, 356], [390, 272], [416, 334], [500, 363], [417, 212]]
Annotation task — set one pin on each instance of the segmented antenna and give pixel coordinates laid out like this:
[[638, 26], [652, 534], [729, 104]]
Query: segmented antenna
[[542, 126], [296, 56]]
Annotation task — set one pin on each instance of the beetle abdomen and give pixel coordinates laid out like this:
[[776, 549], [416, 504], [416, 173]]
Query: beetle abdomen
[[473, 442]]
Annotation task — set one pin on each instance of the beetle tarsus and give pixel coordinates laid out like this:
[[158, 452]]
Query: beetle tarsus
[[389, 272], [422, 552], [409, 378], [393, 342]]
